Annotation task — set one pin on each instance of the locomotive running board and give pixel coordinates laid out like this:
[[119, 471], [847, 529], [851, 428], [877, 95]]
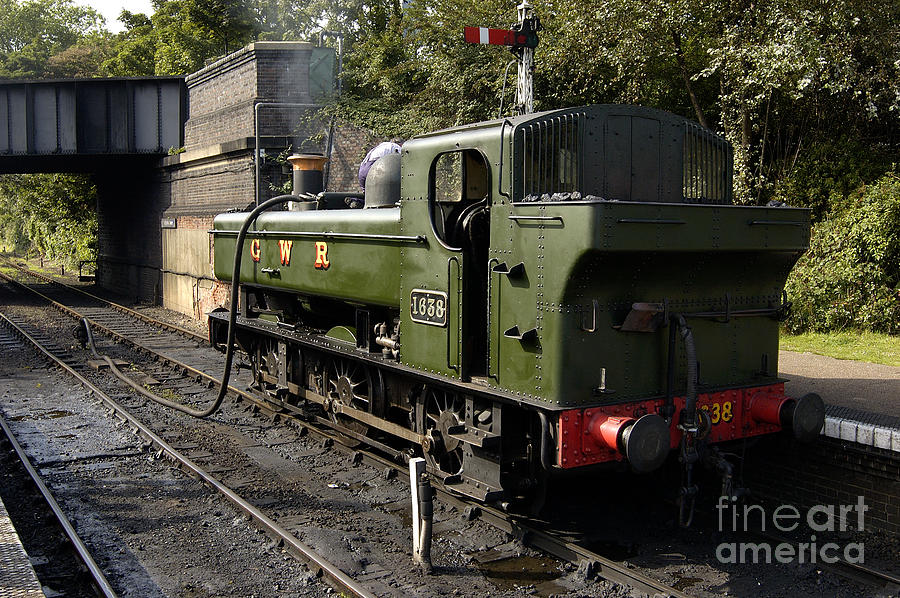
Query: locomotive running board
[[318, 341]]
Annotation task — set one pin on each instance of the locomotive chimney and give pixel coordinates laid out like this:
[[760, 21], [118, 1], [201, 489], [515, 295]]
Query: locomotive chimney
[[307, 169]]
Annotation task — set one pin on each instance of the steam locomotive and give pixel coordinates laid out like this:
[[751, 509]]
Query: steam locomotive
[[519, 297]]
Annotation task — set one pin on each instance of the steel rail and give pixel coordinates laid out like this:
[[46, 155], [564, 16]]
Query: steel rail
[[99, 579], [338, 579], [185, 368], [529, 534], [540, 539], [114, 305], [188, 370]]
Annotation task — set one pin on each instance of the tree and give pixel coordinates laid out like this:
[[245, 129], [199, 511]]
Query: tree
[[188, 32], [226, 20], [53, 214], [34, 30], [776, 77], [135, 48], [85, 58]]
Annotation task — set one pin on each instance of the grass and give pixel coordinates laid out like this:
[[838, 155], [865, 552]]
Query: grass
[[873, 347]]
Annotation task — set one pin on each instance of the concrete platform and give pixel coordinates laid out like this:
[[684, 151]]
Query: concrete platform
[[17, 578], [862, 399]]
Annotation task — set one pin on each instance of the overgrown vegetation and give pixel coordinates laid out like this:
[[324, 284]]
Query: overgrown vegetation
[[807, 92], [850, 277], [51, 214]]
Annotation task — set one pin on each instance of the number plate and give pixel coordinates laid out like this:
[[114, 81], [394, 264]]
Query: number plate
[[428, 307], [719, 412]]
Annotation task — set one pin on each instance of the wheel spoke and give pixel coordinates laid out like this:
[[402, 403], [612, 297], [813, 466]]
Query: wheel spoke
[[438, 405]]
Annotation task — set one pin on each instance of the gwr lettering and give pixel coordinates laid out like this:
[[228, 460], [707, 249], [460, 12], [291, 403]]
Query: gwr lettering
[[322, 262], [285, 250]]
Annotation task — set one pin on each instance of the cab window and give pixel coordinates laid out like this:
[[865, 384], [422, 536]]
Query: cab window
[[459, 186]]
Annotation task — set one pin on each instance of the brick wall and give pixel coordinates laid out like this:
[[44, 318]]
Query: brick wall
[[210, 187], [130, 201], [222, 94], [780, 470], [349, 148], [215, 174]]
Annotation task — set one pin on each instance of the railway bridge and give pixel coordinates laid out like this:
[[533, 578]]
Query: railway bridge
[[168, 153], [87, 125]]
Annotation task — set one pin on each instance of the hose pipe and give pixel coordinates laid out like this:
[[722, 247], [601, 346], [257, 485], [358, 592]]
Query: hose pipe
[[235, 287], [689, 413], [134, 385], [229, 351]]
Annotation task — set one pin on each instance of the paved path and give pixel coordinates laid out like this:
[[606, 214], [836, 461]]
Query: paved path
[[866, 386]]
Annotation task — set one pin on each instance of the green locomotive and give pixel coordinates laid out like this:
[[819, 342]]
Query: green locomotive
[[529, 295]]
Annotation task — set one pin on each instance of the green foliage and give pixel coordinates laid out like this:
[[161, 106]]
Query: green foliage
[[86, 58], [188, 32], [135, 54], [807, 92], [51, 214], [34, 30], [829, 171], [781, 79], [410, 70], [850, 277]]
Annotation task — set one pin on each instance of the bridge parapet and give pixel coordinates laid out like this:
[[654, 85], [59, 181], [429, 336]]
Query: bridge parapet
[[92, 116]]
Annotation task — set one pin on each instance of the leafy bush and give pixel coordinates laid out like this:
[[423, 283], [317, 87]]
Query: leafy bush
[[850, 277], [829, 172]]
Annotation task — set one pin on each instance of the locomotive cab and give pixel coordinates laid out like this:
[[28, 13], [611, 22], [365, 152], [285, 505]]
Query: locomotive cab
[[460, 210]]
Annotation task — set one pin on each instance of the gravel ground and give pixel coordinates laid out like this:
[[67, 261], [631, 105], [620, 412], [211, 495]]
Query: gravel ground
[[153, 530], [175, 531], [158, 533]]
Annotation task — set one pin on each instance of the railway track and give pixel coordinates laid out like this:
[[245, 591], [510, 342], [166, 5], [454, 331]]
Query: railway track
[[80, 552], [183, 350], [336, 577], [179, 348], [885, 583]]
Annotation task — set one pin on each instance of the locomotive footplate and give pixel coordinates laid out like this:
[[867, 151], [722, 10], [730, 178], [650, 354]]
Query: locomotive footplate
[[316, 339]]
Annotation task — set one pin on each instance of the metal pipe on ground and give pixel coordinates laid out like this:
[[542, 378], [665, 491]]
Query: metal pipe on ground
[[422, 512]]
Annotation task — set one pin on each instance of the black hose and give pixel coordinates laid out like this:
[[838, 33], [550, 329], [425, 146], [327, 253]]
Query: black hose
[[229, 351], [689, 415], [235, 284], [134, 385]]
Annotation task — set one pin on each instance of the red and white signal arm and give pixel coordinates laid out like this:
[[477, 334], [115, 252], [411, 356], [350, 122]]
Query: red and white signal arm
[[494, 37], [499, 37]]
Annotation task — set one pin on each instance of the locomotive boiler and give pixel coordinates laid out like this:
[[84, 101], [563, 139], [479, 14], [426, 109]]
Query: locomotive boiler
[[519, 297]]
